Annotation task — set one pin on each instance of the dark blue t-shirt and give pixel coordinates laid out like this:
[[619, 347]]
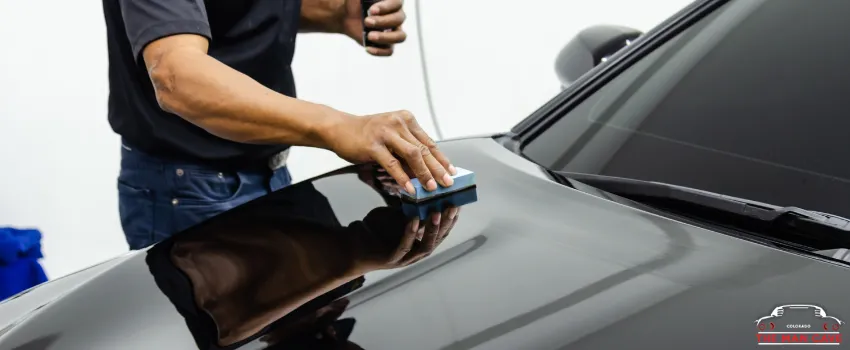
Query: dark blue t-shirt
[[255, 37]]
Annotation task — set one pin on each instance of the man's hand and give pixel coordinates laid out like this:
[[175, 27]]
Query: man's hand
[[384, 137], [386, 17], [371, 249]]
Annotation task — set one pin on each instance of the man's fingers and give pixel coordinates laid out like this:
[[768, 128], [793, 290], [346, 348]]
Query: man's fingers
[[426, 140], [380, 52], [448, 222], [386, 7], [413, 157], [421, 231], [390, 20], [428, 241], [453, 212], [408, 170], [406, 244], [438, 172], [393, 167], [388, 37], [432, 230]]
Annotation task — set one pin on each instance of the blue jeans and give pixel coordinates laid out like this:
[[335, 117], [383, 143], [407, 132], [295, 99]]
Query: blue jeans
[[158, 198]]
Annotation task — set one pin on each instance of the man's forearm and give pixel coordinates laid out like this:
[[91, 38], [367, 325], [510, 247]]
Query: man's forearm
[[322, 16], [233, 106]]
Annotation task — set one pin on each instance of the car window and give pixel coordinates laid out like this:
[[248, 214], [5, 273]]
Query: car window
[[752, 102]]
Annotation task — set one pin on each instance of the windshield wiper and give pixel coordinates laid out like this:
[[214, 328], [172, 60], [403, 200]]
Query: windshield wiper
[[800, 227]]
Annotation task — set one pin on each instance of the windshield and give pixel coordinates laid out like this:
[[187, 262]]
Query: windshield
[[750, 102]]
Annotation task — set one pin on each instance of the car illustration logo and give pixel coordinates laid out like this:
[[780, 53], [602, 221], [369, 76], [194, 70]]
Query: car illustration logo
[[798, 324]]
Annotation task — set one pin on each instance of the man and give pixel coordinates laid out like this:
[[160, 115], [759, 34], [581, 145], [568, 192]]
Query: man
[[202, 94]]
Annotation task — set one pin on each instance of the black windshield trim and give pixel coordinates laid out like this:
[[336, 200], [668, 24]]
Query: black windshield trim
[[573, 180], [796, 226], [542, 119]]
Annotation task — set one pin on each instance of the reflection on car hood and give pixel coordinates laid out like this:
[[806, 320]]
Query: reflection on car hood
[[531, 264]]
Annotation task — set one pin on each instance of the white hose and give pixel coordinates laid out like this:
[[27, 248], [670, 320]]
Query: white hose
[[420, 37]]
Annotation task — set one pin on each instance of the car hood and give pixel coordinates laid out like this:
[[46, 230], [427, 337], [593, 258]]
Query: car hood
[[529, 264]]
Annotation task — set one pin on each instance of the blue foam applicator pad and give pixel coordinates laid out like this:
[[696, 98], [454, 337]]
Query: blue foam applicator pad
[[438, 205], [462, 180]]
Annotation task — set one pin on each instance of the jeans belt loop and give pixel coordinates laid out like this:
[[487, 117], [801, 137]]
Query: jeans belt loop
[[278, 161]]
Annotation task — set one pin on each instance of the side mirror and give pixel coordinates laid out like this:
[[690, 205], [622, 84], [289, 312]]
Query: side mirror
[[589, 48]]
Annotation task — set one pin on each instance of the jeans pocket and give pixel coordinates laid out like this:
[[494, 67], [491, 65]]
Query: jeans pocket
[[136, 208], [203, 187], [186, 216]]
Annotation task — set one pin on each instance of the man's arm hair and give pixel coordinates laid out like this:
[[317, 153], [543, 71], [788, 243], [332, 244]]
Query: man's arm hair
[[200, 89]]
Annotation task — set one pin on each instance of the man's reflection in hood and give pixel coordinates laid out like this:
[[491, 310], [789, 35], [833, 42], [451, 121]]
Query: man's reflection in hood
[[321, 330], [279, 266]]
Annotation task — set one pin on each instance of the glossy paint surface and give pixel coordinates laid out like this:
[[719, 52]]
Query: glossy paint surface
[[529, 264]]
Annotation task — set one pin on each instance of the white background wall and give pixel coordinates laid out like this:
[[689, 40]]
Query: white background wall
[[490, 65]]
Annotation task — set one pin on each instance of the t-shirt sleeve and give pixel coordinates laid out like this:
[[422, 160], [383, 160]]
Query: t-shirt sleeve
[[148, 20]]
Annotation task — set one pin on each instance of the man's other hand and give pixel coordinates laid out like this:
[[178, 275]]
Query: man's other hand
[[396, 142], [385, 16]]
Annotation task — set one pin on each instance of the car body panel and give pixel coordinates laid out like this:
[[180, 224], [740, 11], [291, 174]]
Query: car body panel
[[18, 306], [533, 264]]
